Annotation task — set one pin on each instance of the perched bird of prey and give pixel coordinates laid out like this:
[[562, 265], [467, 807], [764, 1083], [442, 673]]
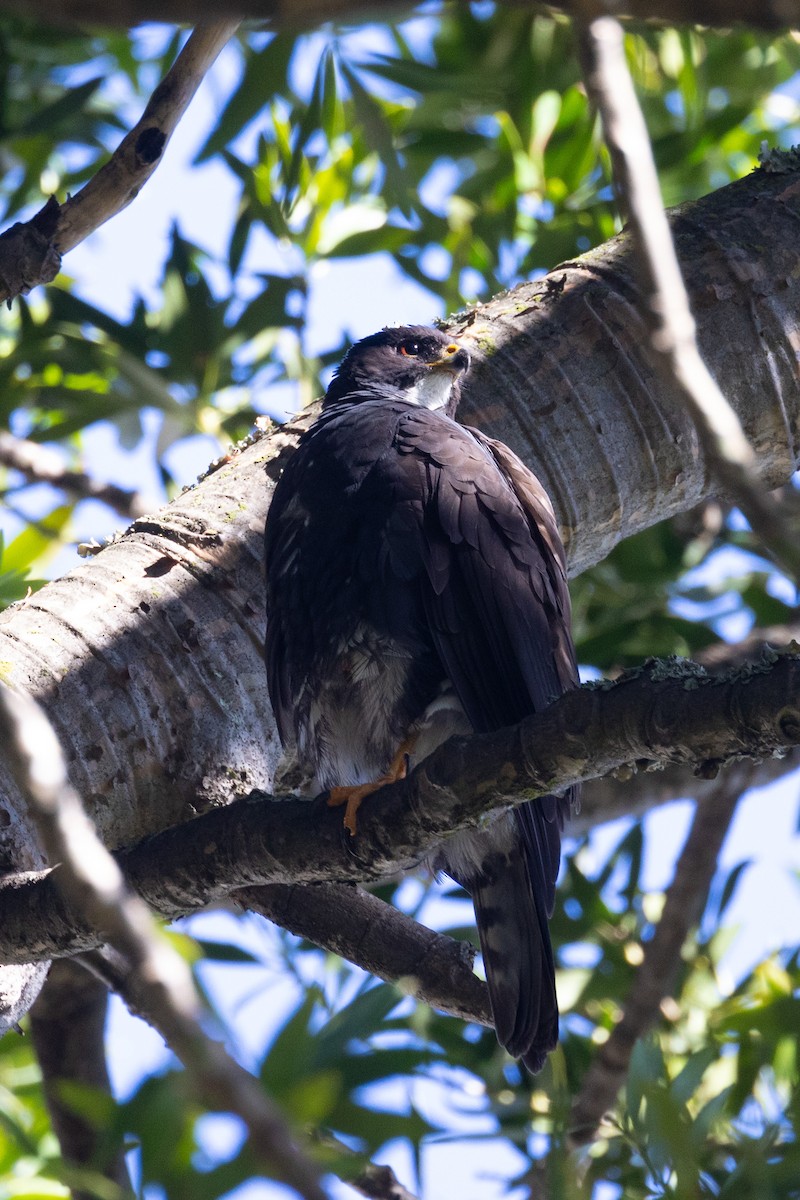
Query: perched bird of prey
[[416, 589]]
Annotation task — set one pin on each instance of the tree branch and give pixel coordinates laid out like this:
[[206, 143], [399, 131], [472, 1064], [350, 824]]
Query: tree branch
[[627, 794], [68, 1029], [91, 881], [567, 412], [728, 453], [684, 902], [149, 658], [30, 252], [630, 794], [358, 926], [304, 14], [665, 711], [150, 642], [39, 464]]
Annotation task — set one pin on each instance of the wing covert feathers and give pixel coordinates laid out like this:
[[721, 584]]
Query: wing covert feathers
[[396, 532]]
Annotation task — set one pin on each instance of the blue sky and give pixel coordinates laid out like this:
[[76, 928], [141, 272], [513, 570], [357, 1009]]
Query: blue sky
[[124, 259]]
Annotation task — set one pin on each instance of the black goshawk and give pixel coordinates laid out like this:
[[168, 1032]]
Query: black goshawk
[[416, 589]]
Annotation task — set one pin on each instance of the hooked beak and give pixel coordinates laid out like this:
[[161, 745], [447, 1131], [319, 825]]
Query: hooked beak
[[455, 359]]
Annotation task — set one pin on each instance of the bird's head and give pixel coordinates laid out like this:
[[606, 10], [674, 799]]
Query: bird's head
[[408, 362]]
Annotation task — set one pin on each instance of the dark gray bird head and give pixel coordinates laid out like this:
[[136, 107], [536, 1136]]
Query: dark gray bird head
[[408, 362]]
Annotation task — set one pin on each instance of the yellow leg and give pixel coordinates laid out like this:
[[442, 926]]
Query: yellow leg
[[354, 794]]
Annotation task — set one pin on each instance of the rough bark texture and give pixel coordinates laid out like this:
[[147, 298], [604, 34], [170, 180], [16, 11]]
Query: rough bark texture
[[650, 715], [28, 255], [391, 945], [591, 412], [149, 657], [302, 14]]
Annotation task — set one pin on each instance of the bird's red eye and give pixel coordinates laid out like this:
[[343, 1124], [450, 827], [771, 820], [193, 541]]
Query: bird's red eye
[[411, 348]]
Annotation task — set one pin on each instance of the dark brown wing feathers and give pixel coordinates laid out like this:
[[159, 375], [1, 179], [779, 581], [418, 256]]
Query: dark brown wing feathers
[[444, 542]]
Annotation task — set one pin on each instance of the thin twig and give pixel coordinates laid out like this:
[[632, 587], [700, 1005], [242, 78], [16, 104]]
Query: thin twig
[[120, 180], [40, 464], [30, 252], [91, 879], [729, 455], [683, 905]]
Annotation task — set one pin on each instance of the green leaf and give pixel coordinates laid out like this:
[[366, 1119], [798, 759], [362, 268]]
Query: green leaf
[[238, 240], [708, 1116], [687, 1081], [308, 124], [386, 237], [669, 1145], [47, 119], [264, 76], [646, 1068], [292, 1053], [269, 307], [330, 99], [38, 542], [373, 1065], [225, 952], [378, 135], [730, 885]]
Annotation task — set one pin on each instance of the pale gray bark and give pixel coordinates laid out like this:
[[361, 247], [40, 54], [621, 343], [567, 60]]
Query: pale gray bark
[[666, 711], [148, 658]]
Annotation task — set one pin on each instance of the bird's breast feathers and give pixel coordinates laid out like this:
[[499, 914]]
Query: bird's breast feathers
[[416, 588]]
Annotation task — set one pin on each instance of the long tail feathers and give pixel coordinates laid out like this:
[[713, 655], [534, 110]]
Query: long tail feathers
[[518, 959]]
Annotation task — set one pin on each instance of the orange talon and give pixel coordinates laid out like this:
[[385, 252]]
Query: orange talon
[[353, 795]]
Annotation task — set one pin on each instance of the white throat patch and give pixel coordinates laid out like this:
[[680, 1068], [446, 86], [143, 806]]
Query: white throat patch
[[432, 391]]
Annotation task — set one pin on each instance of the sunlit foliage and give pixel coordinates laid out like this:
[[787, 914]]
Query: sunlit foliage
[[463, 149]]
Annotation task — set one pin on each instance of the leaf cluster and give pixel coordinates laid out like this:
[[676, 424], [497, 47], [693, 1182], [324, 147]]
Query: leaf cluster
[[465, 153]]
